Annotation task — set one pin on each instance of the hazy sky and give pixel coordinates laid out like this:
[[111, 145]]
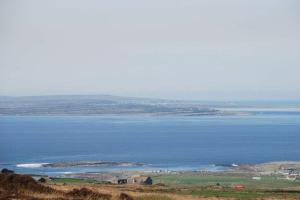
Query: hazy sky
[[187, 49]]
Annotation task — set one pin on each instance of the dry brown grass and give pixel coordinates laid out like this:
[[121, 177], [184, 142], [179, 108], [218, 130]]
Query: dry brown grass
[[17, 186], [84, 193]]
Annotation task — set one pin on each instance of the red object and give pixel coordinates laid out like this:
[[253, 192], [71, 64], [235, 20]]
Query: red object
[[239, 187]]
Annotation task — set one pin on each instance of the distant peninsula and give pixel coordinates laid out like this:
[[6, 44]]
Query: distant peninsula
[[103, 105]]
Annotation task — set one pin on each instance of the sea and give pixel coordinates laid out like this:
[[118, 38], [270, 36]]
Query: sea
[[160, 143]]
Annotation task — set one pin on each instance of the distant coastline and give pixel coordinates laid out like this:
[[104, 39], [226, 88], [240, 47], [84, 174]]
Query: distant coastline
[[90, 105], [280, 169]]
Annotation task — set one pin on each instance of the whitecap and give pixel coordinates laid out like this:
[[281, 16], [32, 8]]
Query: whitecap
[[31, 165], [68, 173]]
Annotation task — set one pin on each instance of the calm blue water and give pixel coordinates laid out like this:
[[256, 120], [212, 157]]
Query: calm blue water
[[159, 142]]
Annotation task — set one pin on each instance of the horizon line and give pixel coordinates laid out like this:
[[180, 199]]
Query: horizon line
[[153, 98]]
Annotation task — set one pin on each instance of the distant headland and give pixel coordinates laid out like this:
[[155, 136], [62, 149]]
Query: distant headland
[[105, 105]]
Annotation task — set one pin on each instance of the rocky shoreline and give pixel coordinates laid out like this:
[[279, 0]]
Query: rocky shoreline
[[289, 170], [81, 164]]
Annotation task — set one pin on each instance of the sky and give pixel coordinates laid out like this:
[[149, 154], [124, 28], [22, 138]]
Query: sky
[[180, 49]]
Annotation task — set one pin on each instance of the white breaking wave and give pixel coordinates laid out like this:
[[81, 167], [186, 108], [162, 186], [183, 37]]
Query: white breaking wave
[[67, 172], [31, 165]]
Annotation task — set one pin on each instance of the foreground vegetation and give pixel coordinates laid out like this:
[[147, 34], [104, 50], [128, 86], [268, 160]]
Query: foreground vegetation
[[190, 186], [207, 185]]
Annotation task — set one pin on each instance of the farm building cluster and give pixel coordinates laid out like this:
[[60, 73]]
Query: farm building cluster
[[135, 179], [291, 174]]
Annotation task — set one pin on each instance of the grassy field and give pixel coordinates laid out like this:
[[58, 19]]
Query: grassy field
[[226, 180], [204, 185], [222, 185]]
